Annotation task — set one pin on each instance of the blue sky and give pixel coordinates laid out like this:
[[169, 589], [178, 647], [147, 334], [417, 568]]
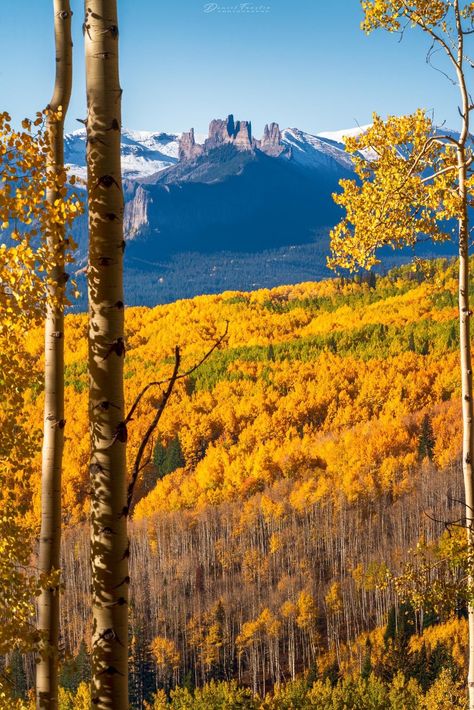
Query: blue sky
[[303, 63]]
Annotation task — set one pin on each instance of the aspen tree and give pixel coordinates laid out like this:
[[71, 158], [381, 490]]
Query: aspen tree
[[50, 535], [109, 542], [420, 178]]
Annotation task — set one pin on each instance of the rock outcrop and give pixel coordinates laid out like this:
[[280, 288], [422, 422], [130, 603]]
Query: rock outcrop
[[227, 131], [221, 131], [243, 135], [188, 148], [271, 141]]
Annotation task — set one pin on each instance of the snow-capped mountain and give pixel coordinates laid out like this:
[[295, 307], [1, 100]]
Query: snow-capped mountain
[[205, 214], [145, 153], [338, 136], [227, 191], [316, 151]]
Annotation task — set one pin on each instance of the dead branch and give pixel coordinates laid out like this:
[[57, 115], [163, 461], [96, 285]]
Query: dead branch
[[138, 465], [178, 377]]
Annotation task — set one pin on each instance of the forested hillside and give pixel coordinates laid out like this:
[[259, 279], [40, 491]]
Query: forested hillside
[[257, 497], [291, 472]]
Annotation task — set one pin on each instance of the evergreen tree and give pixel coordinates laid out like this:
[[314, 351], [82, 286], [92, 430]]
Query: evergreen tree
[[333, 674], [367, 668], [75, 670], [426, 442], [83, 664], [332, 344], [453, 337], [271, 352], [168, 458], [424, 348]]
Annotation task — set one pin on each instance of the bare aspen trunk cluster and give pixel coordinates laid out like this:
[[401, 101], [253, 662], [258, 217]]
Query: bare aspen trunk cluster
[[54, 423], [196, 583], [109, 542]]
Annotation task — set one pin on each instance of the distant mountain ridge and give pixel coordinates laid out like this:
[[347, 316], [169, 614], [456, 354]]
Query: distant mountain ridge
[[226, 191], [145, 153], [235, 193], [224, 211]]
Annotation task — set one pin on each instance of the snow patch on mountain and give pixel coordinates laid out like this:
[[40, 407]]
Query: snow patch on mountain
[[146, 153], [338, 136], [315, 151], [143, 153]]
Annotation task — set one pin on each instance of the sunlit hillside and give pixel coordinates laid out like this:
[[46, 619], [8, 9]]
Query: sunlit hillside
[[290, 473], [324, 388]]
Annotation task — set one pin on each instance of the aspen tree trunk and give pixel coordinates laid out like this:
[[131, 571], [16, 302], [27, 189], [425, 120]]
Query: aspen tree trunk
[[50, 535], [465, 336], [467, 403], [467, 413], [109, 541]]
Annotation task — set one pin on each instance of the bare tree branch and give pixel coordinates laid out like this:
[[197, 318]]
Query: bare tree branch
[[139, 465], [178, 377]]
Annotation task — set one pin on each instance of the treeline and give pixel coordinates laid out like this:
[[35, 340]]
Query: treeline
[[190, 274]]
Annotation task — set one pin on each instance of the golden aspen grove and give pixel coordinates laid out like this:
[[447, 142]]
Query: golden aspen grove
[[257, 497], [269, 459]]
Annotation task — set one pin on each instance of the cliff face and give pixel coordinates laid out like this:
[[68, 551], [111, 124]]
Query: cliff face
[[136, 212]]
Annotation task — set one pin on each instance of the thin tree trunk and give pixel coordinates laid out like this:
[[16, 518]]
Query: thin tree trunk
[[50, 535], [465, 337], [109, 541], [467, 403]]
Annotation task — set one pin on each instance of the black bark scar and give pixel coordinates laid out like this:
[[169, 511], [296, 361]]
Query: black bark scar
[[117, 347], [107, 181]]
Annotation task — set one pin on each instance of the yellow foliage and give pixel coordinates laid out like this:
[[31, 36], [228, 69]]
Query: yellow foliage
[[165, 653], [306, 614], [334, 599], [24, 160], [285, 433], [394, 201], [452, 633]]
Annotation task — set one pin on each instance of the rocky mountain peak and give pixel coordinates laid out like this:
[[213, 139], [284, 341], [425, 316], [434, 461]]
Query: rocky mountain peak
[[271, 143], [188, 148], [228, 131], [223, 131]]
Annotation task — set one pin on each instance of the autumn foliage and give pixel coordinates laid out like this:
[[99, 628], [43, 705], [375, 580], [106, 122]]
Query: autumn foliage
[[311, 376], [326, 411], [24, 261]]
